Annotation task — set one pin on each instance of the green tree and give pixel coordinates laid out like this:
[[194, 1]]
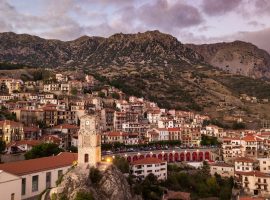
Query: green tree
[[73, 149], [95, 175], [84, 196], [43, 150], [115, 95], [74, 91], [101, 94], [238, 126], [2, 146], [121, 163]]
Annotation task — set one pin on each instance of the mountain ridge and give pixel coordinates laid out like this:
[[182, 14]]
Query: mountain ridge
[[154, 65]]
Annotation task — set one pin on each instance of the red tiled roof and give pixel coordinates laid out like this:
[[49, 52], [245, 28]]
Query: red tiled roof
[[174, 129], [24, 167], [9, 122], [147, 161], [245, 159], [251, 138], [251, 198], [255, 173], [221, 164], [30, 129], [51, 138], [116, 134]]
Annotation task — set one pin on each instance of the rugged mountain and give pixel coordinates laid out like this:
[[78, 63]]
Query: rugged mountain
[[236, 57], [94, 51], [156, 66]]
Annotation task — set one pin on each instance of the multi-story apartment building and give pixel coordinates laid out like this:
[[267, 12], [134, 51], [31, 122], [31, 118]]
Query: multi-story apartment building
[[118, 120], [107, 119], [11, 131], [222, 168], [50, 115], [253, 146], [256, 183], [264, 165], [244, 164], [231, 148], [143, 167]]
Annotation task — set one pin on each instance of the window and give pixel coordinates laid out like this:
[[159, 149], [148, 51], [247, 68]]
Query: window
[[86, 158], [149, 165], [34, 183], [60, 173], [23, 186], [48, 179], [12, 196]]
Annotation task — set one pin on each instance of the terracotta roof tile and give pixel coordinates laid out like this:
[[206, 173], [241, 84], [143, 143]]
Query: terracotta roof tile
[[19, 168], [244, 159], [147, 161]]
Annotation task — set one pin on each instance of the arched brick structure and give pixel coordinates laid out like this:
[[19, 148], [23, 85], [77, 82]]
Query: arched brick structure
[[160, 156], [154, 155], [170, 157], [141, 156], [148, 156], [207, 155], [182, 156], [165, 156], [200, 156], [135, 158], [194, 156], [129, 159], [176, 157], [188, 156]]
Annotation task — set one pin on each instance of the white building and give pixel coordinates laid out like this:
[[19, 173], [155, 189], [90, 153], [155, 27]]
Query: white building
[[243, 164], [222, 168], [35, 175], [143, 167], [10, 186], [256, 183], [264, 164]]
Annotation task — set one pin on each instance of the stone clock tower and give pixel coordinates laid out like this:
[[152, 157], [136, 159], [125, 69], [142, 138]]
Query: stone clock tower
[[89, 141]]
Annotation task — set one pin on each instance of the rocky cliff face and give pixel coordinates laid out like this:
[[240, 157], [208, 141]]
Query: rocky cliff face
[[236, 57], [113, 185], [120, 49]]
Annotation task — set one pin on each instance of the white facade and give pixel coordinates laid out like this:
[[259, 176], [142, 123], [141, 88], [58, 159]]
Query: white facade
[[244, 165], [10, 186], [32, 189], [264, 164], [256, 183], [144, 167]]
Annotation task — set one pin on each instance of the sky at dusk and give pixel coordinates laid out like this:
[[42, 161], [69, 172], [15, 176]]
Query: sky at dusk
[[191, 21]]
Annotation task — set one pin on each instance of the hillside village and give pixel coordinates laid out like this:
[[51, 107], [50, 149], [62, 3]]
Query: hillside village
[[49, 110]]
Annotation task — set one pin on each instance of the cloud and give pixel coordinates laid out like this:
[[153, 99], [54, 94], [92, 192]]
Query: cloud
[[219, 7], [259, 38], [161, 14], [255, 24], [262, 6]]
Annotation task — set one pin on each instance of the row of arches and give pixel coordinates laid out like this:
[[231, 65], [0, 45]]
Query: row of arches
[[174, 157]]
